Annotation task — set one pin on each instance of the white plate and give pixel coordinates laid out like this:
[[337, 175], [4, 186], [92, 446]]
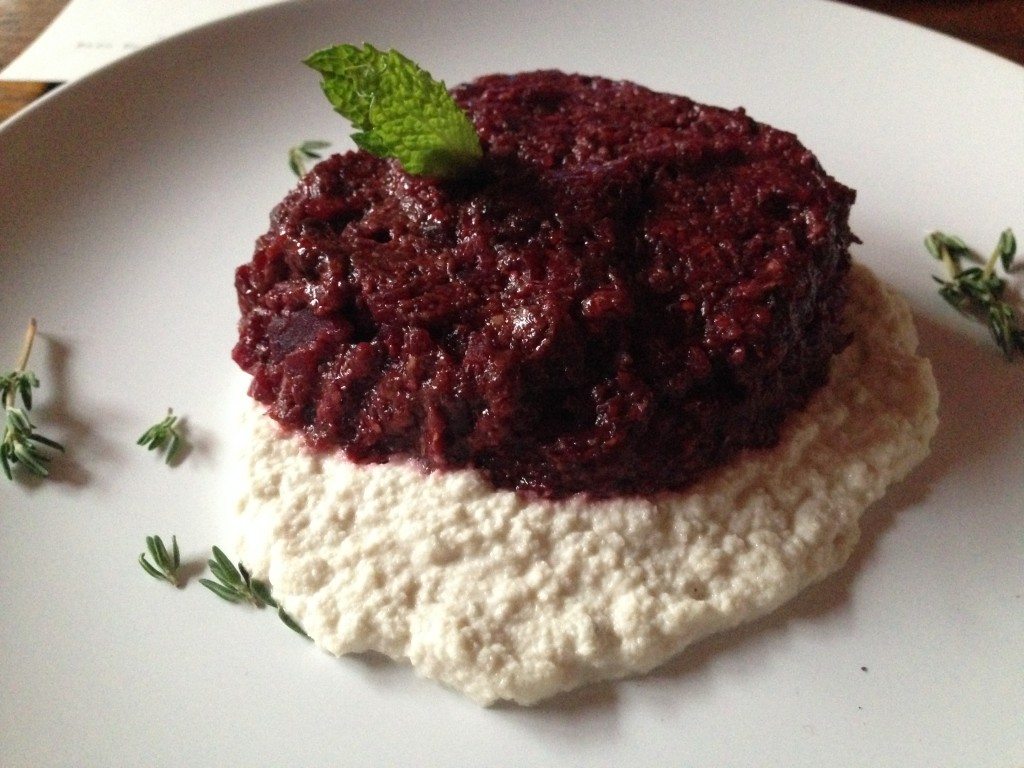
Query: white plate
[[128, 199]]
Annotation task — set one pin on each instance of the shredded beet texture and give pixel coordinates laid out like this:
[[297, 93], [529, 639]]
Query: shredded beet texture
[[631, 289]]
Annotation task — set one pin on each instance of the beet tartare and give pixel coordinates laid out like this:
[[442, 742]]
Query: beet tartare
[[631, 288]]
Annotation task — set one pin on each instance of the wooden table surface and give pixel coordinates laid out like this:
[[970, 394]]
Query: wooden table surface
[[997, 25]]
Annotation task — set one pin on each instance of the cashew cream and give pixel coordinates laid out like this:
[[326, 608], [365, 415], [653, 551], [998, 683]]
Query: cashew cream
[[503, 596]]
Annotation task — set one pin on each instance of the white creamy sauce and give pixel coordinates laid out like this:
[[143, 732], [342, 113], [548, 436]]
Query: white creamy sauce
[[504, 597]]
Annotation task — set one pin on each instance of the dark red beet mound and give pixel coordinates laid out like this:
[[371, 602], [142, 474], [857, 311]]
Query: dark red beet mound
[[634, 288]]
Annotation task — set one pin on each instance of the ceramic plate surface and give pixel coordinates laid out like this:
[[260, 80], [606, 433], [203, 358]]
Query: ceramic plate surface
[[126, 202]]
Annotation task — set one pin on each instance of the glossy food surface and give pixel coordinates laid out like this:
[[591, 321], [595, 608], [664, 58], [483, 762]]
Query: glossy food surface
[[633, 287]]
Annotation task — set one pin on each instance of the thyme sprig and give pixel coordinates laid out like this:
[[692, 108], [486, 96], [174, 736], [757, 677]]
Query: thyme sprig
[[234, 583], [165, 564], [165, 436], [237, 585], [977, 291], [21, 444], [307, 150]]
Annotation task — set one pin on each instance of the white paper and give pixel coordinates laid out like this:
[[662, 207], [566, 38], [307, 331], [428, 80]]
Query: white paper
[[89, 34]]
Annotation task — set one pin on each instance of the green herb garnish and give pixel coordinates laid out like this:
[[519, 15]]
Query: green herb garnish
[[18, 383], [307, 150], [399, 110], [978, 291], [165, 564], [164, 435], [21, 444], [236, 585], [291, 623]]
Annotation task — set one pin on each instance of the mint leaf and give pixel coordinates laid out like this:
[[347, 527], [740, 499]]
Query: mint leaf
[[399, 110]]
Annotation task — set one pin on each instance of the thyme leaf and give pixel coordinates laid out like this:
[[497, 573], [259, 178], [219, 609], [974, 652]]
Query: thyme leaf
[[18, 383], [164, 436], [307, 150], [165, 563], [237, 585], [291, 623], [21, 444], [977, 291]]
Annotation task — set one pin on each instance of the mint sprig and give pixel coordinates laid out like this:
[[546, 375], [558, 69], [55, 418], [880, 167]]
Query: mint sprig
[[398, 109]]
